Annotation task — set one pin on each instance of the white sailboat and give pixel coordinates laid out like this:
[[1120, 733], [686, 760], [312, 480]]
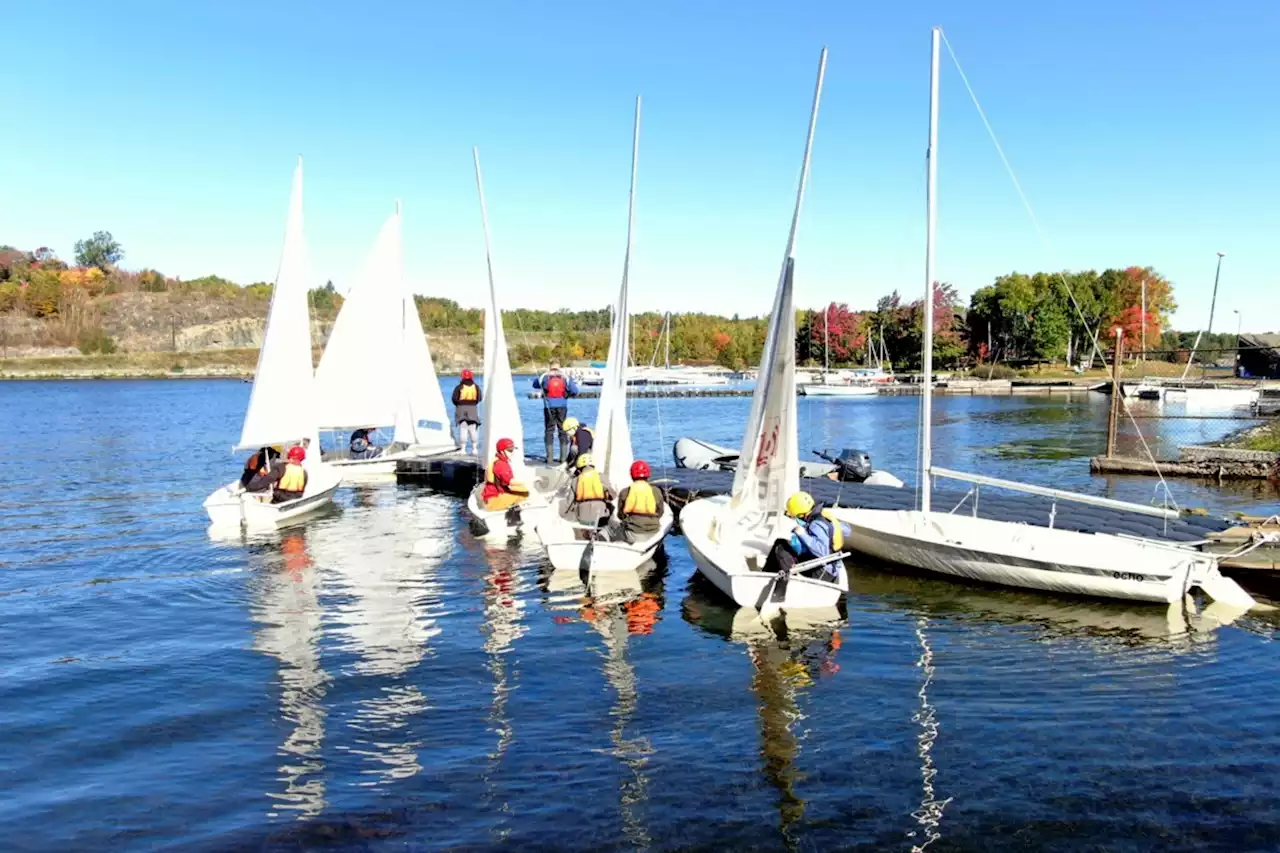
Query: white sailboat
[[730, 536], [833, 384], [612, 452], [376, 370], [500, 416], [281, 409], [1022, 555]]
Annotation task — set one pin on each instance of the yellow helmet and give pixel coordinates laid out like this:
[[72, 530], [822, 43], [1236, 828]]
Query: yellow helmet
[[800, 505], [570, 425], [584, 459]]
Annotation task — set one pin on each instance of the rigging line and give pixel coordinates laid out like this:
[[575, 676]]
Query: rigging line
[[1035, 221]]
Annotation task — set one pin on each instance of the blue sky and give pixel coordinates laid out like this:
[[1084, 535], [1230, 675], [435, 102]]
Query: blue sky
[[1139, 130]]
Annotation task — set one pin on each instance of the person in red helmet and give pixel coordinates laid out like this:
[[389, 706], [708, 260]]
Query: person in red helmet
[[501, 491], [640, 505], [466, 412], [287, 482]]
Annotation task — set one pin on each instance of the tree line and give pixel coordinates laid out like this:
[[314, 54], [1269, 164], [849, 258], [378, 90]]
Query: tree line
[[1018, 319]]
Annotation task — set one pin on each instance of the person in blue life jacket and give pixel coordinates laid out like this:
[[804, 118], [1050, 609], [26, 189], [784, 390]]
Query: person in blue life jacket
[[556, 390], [816, 534]]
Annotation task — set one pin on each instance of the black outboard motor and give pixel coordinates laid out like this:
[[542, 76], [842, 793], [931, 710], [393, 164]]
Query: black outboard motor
[[852, 466]]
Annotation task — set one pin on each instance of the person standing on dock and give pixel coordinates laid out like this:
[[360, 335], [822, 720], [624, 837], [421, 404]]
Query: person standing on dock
[[466, 412], [556, 390], [581, 440]]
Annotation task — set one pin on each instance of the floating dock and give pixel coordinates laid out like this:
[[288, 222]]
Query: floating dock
[[954, 388], [457, 475]]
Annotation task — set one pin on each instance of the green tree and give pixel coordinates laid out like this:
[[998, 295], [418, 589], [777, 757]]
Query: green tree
[[101, 251]]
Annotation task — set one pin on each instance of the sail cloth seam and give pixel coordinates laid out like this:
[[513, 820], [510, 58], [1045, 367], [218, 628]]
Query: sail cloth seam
[[1035, 222]]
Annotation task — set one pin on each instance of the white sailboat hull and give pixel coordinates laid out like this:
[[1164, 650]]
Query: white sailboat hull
[[1213, 398], [565, 552], [1040, 558], [732, 560], [232, 507], [496, 525], [838, 390], [382, 468]]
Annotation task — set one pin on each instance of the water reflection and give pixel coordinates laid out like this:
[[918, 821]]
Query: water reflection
[[788, 655], [929, 814], [619, 606], [383, 604], [286, 607]]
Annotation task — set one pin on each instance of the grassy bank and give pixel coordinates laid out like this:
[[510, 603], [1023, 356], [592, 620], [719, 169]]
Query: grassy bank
[[229, 362], [1264, 437]]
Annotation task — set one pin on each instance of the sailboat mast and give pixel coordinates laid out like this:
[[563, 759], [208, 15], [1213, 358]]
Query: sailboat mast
[[484, 219], [931, 230], [631, 219]]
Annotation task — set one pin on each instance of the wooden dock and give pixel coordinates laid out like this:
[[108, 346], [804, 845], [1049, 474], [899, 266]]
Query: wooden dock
[[954, 388]]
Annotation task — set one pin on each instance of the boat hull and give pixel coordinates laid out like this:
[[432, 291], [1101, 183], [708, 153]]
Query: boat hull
[[501, 525], [838, 390], [1029, 557], [231, 507], [731, 563], [565, 552], [382, 468]]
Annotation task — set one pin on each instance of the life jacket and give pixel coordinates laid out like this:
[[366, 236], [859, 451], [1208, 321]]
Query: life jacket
[[590, 486], [554, 386], [294, 479], [468, 393], [641, 499], [837, 530], [488, 475]]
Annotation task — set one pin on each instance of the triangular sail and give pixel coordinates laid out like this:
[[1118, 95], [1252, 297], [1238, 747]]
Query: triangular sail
[[769, 465], [613, 451], [422, 418], [358, 381], [768, 469], [500, 411], [281, 403]]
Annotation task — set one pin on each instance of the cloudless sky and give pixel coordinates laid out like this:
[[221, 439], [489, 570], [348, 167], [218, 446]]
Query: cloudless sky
[[1144, 133]]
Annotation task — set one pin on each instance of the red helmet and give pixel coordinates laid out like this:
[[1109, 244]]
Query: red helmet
[[297, 453], [505, 445], [639, 470], [467, 374]]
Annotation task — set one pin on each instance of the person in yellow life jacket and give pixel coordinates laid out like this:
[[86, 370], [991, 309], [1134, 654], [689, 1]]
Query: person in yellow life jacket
[[287, 482], [581, 440], [816, 534], [467, 397], [501, 490], [640, 505], [592, 501]]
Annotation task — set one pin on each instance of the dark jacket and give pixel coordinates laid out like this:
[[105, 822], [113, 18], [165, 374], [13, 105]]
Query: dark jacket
[[256, 463], [264, 482], [467, 412], [583, 441]]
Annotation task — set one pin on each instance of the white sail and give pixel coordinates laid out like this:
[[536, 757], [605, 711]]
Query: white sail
[[358, 381], [769, 466], [500, 411], [422, 418], [613, 452], [281, 403]]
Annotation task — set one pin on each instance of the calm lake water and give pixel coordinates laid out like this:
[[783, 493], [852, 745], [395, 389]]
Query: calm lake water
[[376, 680]]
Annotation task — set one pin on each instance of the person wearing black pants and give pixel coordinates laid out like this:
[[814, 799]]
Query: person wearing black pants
[[556, 390]]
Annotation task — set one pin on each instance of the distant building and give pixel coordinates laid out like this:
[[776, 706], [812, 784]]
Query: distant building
[[1259, 356]]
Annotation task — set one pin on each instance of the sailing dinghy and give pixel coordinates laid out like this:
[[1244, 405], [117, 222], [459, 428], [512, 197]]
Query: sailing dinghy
[[612, 452], [376, 369], [1022, 555], [281, 410], [730, 536], [500, 416]]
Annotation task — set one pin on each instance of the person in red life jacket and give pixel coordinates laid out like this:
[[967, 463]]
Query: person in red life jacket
[[501, 491], [466, 412], [257, 464], [556, 390], [581, 440], [287, 481], [640, 505]]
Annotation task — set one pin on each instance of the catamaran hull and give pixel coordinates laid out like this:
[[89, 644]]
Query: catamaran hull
[[725, 565], [1040, 558], [566, 553], [232, 507]]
